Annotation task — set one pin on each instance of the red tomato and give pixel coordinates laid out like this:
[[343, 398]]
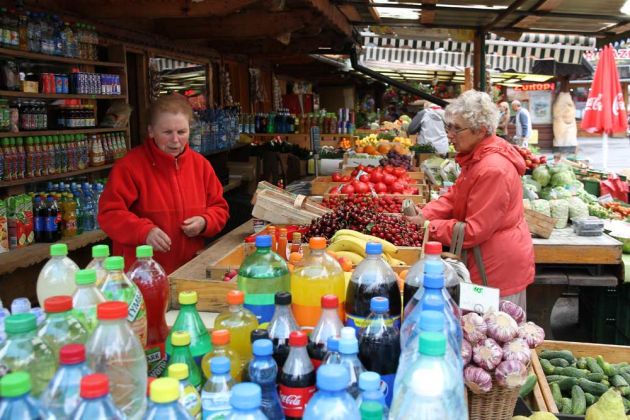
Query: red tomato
[[380, 188], [347, 189], [364, 178], [388, 179], [346, 178], [360, 167], [336, 177], [398, 171], [361, 188], [354, 173], [376, 176], [396, 187], [369, 169], [388, 168]]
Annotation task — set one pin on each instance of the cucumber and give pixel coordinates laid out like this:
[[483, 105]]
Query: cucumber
[[625, 376], [605, 382], [571, 371], [569, 382], [578, 401], [626, 404], [625, 369], [567, 408], [557, 394], [555, 354], [596, 377], [618, 381], [624, 390], [557, 362], [609, 370], [590, 399], [591, 387], [592, 365], [528, 386], [547, 367], [555, 378], [581, 363]]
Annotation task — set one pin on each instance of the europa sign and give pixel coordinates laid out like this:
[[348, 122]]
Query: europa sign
[[536, 86]]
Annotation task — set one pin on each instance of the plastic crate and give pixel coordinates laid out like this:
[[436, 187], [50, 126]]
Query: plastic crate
[[591, 186]]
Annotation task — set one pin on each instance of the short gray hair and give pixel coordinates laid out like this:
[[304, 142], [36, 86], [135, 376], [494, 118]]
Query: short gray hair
[[477, 109]]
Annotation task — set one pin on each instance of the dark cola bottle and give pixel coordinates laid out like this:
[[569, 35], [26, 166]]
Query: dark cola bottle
[[281, 326], [329, 325], [297, 380]]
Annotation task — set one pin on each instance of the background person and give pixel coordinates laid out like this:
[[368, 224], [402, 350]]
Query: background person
[[504, 121], [523, 122], [429, 125]]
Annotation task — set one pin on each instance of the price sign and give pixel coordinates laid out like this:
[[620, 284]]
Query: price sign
[[481, 299]]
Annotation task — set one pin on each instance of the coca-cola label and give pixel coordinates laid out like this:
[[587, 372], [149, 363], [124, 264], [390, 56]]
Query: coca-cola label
[[294, 400]]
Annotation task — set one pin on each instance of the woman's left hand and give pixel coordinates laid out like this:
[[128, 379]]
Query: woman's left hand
[[418, 219], [193, 226]]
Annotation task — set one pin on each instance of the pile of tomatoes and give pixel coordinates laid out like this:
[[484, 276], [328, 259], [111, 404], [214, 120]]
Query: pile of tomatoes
[[380, 180], [382, 204], [531, 160]]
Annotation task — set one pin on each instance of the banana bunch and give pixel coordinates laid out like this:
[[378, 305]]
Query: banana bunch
[[371, 140], [351, 244], [405, 141]]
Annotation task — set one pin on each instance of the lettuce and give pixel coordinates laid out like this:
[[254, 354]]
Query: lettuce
[[542, 175]]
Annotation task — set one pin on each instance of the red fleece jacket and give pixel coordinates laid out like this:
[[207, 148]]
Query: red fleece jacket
[[149, 188], [488, 196]]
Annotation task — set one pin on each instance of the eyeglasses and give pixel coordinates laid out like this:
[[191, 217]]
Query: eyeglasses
[[450, 128]]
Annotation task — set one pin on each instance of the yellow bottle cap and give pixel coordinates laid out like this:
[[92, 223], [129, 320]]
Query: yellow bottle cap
[[178, 371], [188, 297], [164, 390], [180, 338]]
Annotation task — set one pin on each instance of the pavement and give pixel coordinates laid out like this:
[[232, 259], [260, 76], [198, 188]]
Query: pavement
[[590, 148]]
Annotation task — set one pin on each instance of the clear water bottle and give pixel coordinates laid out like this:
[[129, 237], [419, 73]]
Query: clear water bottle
[[20, 305], [349, 350], [57, 275], [89, 209], [371, 391], [61, 326], [16, 401], [215, 396], [86, 299], [415, 276], [164, 394], [263, 371], [246, 402], [332, 400], [432, 388], [99, 254], [61, 396], [333, 357], [96, 402]]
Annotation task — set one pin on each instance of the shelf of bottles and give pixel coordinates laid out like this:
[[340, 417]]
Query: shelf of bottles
[[215, 130], [283, 122]]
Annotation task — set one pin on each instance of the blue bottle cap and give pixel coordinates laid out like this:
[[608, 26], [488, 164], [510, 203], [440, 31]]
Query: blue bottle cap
[[369, 381], [379, 304], [246, 396], [332, 344], [20, 306], [348, 344], [263, 347], [263, 241], [433, 281], [332, 378], [431, 320], [219, 365], [433, 267], [373, 248]]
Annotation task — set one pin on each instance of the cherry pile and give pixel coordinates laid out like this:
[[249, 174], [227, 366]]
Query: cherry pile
[[382, 204], [396, 230]]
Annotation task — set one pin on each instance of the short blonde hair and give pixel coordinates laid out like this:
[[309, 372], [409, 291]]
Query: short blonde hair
[[174, 104], [477, 109]]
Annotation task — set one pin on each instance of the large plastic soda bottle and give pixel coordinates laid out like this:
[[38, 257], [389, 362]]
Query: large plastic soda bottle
[[432, 388], [118, 287], [115, 350], [165, 401], [96, 402], [372, 277], [329, 325], [332, 400], [258, 334], [215, 396], [61, 396], [99, 253], [189, 320], [263, 371], [379, 345], [16, 401], [246, 403], [240, 322], [349, 351], [61, 327], [260, 276], [86, 298], [24, 351], [297, 380], [371, 391], [189, 397], [221, 347], [57, 275], [281, 327], [415, 276], [317, 275], [150, 277], [181, 354]]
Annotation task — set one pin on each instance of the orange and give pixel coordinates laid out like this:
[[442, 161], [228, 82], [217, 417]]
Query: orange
[[345, 263], [370, 150], [383, 148]]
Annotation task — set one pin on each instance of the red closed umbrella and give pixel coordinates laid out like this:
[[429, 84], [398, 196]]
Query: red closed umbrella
[[605, 110]]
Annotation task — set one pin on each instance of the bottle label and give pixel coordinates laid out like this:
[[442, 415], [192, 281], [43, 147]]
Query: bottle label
[[137, 314], [51, 224], [87, 317], [262, 305], [156, 361], [387, 387], [294, 400], [216, 405], [358, 322], [189, 398]]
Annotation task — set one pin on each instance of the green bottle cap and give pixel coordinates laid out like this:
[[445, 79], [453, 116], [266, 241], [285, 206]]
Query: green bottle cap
[[432, 343], [87, 276], [144, 251], [114, 263], [58, 250], [371, 410], [15, 384], [29, 141], [20, 323], [100, 251], [12, 140]]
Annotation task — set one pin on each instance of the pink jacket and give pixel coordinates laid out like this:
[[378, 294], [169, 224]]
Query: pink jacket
[[488, 196]]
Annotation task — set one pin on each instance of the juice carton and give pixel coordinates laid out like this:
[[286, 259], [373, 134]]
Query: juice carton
[[29, 225], [4, 228], [16, 222]]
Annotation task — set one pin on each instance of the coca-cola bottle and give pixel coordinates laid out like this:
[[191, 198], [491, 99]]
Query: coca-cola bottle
[[329, 325], [297, 380], [280, 327]]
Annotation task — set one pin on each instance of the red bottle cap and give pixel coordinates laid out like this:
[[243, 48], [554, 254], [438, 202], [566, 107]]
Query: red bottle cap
[[330, 302], [433, 248], [94, 386], [57, 304], [220, 337], [250, 239], [71, 354], [235, 297], [298, 339], [112, 310]]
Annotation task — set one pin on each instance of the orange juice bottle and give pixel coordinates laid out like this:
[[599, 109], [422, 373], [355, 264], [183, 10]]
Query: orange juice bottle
[[317, 275], [240, 323], [221, 347], [283, 242], [272, 232]]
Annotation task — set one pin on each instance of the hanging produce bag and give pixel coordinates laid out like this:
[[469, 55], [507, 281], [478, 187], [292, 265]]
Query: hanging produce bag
[[614, 186]]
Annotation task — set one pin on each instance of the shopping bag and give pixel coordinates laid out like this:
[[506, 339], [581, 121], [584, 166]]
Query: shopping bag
[[614, 186]]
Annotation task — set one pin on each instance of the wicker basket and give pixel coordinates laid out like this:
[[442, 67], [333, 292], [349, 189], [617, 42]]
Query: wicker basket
[[498, 404]]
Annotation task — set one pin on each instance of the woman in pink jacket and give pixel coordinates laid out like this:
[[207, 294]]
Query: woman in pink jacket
[[487, 196]]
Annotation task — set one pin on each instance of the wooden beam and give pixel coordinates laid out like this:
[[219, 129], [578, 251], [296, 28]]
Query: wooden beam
[[350, 12], [333, 15], [504, 14], [428, 16]]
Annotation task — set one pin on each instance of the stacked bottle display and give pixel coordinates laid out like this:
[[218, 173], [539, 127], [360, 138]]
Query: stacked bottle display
[[215, 129], [283, 122]]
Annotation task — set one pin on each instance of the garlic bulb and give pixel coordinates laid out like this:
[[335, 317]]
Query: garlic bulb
[[511, 374], [466, 352], [517, 349], [487, 354], [477, 379], [532, 334], [512, 309], [501, 326], [474, 327]]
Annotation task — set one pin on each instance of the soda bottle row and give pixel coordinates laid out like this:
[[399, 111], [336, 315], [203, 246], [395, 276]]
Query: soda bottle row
[[77, 116], [214, 129], [281, 121], [95, 84]]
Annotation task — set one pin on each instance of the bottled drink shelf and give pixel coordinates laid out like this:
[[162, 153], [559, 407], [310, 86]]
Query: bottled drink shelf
[[4, 184], [8, 52], [17, 94], [62, 132]]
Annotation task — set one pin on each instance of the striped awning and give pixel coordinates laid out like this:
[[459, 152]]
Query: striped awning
[[170, 64]]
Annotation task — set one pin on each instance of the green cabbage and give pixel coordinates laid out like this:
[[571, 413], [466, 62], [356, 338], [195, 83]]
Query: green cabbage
[[527, 179], [562, 178], [542, 175], [577, 208], [561, 167], [560, 212], [541, 206]]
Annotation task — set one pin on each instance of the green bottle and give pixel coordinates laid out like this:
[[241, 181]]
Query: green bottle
[[189, 320], [61, 327], [180, 341]]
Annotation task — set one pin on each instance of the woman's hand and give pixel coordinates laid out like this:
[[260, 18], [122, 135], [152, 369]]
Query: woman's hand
[[418, 219], [193, 226], [159, 240]]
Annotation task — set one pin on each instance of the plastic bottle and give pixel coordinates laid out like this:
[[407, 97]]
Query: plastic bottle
[[86, 298], [372, 277], [263, 371], [149, 276], [88, 212], [283, 242], [61, 396], [297, 380], [215, 396], [317, 275], [189, 397], [329, 325], [221, 347], [61, 326], [181, 354], [240, 322], [349, 358], [258, 334], [96, 402], [69, 226], [333, 357], [371, 410], [332, 401], [189, 320], [245, 402], [118, 287], [260, 276], [280, 328], [20, 305], [165, 405], [432, 388], [99, 253], [379, 345], [24, 351], [115, 350], [370, 386], [415, 276], [16, 401], [57, 275]]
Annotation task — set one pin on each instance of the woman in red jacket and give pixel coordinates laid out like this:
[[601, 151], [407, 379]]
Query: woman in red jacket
[[487, 196], [163, 193]]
